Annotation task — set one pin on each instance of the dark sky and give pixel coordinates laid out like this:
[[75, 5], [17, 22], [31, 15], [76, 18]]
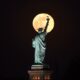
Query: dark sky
[[62, 43]]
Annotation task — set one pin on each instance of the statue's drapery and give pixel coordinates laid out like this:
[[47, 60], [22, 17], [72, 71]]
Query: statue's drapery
[[40, 46]]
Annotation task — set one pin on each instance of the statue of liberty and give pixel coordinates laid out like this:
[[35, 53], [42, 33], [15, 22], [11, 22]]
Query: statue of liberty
[[39, 44]]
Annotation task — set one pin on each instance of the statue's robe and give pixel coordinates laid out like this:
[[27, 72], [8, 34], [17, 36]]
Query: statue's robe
[[40, 46]]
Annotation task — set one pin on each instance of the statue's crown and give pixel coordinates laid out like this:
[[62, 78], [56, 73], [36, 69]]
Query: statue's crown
[[40, 29]]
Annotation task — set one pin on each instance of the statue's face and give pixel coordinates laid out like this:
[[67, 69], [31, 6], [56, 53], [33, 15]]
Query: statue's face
[[40, 30]]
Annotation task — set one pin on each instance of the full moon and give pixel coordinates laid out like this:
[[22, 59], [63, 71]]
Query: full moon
[[39, 21]]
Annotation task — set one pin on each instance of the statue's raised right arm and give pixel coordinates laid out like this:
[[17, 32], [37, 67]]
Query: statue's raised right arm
[[46, 23]]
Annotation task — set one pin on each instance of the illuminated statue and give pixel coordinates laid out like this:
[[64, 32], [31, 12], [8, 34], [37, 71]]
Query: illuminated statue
[[39, 44]]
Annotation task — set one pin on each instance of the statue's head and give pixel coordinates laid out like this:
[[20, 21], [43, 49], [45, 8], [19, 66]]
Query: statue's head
[[40, 30]]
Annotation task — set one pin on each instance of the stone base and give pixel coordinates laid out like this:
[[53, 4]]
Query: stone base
[[38, 72], [40, 67]]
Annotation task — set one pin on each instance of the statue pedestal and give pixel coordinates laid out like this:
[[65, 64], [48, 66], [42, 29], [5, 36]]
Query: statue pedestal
[[39, 72]]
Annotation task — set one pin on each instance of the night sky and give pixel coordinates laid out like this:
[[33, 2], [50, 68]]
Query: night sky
[[62, 43]]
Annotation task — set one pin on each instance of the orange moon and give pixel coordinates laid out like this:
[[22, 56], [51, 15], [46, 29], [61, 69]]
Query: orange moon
[[39, 21]]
